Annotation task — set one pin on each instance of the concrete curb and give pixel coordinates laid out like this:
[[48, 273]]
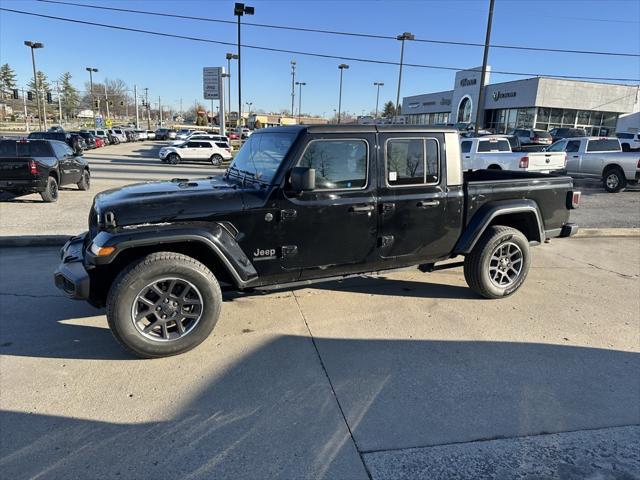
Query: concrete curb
[[59, 240], [34, 241]]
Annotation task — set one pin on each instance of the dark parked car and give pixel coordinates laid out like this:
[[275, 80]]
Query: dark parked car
[[302, 204], [165, 134], [560, 133], [41, 166], [88, 138], [530, 136], [76, 142]]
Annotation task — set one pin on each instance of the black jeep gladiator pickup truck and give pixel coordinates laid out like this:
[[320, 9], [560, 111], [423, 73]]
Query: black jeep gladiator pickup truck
[[301, 204]]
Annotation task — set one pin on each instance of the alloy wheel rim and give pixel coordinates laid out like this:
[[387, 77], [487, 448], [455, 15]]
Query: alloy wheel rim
[[612, 180], [505, 264], [167, 309]]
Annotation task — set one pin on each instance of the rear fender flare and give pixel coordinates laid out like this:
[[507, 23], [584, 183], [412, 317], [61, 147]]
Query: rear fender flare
[[484, 217]]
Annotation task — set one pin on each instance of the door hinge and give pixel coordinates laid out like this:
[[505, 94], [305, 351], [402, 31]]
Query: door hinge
[[289, 251], [288, 214], [385, 241]]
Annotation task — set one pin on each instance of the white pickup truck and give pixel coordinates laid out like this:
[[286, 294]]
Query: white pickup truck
[[600, 157], [494, 153]]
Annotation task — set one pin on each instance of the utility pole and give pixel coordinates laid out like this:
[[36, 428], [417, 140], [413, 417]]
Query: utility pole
[[93, 102], [26, 115], [293, 81], [221, 119], [106, 100], [181, 114], [485, 57], [33, 46], [402, 38], [300, 84], [342, 67], [377, 85], [44, 110], [59, 103], [146, 106], [160, 110], [229, 57], [239, 10], [135, 97]]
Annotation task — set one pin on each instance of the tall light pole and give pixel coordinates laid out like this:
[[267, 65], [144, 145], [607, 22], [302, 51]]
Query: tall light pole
[[239, 10], [249, 103], [342, 67], [301, 84], [33, 46], [135, 101], [377, 85], [229, 56], [485, 57], [293, 82], [402, 38], [59, 102], [146, 106], [91, 70]]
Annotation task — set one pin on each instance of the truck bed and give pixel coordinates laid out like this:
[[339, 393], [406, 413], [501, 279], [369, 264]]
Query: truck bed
[[549, 192]]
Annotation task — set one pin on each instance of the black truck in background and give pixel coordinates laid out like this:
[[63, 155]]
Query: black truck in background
[[303, 204], [41, 166]]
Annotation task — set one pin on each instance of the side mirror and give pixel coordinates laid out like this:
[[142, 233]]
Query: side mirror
[[303, 179]]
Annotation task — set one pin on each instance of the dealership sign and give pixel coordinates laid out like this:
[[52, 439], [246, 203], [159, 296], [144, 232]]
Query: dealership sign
[[467, 82], [497, 95], [211, 77]]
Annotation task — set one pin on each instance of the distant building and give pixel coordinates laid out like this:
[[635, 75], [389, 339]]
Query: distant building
[[540, 102]]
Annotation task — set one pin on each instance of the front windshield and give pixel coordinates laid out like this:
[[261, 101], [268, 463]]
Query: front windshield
[[262, 154]]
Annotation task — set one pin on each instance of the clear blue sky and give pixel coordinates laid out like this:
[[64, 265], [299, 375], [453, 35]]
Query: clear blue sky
[[172, 68]]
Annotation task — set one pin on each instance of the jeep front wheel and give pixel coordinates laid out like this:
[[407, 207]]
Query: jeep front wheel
[[498, 264], [164, 304]]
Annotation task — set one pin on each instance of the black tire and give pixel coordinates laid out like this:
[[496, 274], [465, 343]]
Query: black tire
[[216, 160], [132, 281], [614, 180], [50, 194], [478, 264], [173, 158], [85, 181]]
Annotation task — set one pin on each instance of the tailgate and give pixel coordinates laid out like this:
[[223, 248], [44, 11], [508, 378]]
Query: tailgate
[[14, 168], [546, 161]]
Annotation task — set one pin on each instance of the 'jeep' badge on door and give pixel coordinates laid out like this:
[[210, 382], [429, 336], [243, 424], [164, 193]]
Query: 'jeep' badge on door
[[268, 254]]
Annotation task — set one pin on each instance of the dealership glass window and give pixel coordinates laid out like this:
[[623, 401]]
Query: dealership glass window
[[525, 117], [464, 110], [596, 118], [543, 115], [583, 117], [609, 119], [569, 117], [556, 116]]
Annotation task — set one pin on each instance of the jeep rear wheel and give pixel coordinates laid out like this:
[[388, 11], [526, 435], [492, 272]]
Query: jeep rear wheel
[[164, 304], [498, 264], [50, 193]]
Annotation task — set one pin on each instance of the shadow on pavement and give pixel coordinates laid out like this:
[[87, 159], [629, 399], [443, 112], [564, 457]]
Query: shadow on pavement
[[271, 414]]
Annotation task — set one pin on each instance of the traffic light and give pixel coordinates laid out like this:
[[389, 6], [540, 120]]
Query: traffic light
[[15, 94], [30, 96], [122, 103], [96, 103], [49, 98]]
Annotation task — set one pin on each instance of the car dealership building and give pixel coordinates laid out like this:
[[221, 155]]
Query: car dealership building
[[540, 102]]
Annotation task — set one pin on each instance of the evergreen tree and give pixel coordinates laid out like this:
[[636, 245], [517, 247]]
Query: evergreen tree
[[389, 109], [7, 80], [70, 97], [43, 83]]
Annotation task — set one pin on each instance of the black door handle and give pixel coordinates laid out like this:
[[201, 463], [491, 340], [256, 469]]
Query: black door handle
[[361, 209], [428, 203]]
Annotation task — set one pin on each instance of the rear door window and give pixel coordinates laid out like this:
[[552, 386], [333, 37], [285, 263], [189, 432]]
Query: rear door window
[[411, 161], [603, 145]]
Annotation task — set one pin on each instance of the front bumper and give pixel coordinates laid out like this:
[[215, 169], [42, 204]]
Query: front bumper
[[71, 276]]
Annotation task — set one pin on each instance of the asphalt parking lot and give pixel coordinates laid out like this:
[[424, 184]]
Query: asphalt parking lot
[[118, 165], [404, 376]]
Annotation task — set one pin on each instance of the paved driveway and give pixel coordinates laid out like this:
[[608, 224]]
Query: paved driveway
[[391, 377]]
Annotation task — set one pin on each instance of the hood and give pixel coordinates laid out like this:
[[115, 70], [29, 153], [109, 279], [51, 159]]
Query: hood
[[171, 201]]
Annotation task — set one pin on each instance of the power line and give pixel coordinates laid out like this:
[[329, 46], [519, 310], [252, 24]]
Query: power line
[[309, 54], [350, 34]]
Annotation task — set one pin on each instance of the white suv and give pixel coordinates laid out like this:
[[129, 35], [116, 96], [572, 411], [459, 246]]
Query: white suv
[[119, 134], [215, 152], [203, 136]]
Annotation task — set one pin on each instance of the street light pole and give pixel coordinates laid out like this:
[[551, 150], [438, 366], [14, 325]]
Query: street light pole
[[146, 106], [300, 100], [59, 102], [229, 56], [33, 46], [293, 82], [377, 85], [342, 66], [485, 57], [402, 38], [93, 102], [135, 95], [239, 10]]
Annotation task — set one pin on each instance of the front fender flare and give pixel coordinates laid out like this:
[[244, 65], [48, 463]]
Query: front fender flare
[[212, 235]]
